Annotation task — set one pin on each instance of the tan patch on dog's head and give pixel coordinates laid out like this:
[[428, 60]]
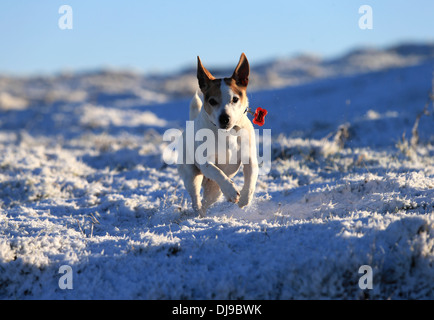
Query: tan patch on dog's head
[[241, 92], [213, 91], [242, 71], [211, 87]]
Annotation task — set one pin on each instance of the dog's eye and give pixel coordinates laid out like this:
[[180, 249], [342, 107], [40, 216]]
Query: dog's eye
[[213, 102], [235, 99]]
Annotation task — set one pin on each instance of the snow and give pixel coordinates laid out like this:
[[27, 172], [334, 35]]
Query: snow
[[82, 184]]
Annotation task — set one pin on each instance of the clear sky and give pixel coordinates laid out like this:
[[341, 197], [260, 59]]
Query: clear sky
[[164, 35]]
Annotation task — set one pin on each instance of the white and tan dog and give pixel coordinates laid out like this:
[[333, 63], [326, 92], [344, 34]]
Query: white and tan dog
[[223, 114]]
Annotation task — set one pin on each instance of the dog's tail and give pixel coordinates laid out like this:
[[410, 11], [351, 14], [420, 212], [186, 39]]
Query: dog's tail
[[195, 106]]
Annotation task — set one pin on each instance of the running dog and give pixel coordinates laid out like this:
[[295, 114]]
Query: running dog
[[222, 113]]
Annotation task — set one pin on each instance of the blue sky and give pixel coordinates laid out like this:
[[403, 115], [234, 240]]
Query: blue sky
[[164, 35]]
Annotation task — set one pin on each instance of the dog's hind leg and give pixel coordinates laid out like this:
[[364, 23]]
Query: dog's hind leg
[[211, 193], [192, 178]]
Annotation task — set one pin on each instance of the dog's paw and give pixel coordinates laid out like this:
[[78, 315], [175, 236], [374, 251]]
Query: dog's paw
[[231, 193], [245, 198], [244, 201], [202, 213]]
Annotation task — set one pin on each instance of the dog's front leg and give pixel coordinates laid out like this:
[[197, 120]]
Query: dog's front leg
[[250, 171], [211, 171]]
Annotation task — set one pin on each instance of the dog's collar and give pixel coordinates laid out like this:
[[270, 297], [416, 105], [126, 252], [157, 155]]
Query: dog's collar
[[249, 111]]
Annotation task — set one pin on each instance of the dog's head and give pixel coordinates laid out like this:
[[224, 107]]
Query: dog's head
[[225, 100]]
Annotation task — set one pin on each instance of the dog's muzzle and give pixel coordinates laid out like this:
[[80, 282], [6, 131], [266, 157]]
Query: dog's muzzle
[[224, 120]]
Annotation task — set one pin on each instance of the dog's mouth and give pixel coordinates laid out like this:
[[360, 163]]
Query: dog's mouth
[[226, 127]]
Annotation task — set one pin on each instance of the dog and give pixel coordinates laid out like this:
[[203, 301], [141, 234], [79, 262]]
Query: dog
[[222, 113]]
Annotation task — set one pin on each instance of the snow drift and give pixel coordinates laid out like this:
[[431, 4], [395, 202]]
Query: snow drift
[[82, 184]]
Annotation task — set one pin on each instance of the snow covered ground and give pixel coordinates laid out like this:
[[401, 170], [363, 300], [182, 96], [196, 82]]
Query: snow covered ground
[[82, 184]]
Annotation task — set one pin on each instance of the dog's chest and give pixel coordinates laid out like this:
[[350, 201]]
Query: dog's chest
[[228, 148]]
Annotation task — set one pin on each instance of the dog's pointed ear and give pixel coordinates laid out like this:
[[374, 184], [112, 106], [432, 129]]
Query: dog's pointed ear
[[241, 73], [203, 75]]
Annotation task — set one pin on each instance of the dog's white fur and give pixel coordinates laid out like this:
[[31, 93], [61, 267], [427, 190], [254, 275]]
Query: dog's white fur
[[215, 177]]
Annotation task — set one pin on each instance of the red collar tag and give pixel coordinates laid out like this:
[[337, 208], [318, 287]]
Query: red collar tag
[[259, 115]]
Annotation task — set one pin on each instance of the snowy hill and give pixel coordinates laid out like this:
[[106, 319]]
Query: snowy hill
[[109, 86], [82, 183]]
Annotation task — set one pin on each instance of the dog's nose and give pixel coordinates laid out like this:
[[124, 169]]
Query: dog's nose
[[224, 120]]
